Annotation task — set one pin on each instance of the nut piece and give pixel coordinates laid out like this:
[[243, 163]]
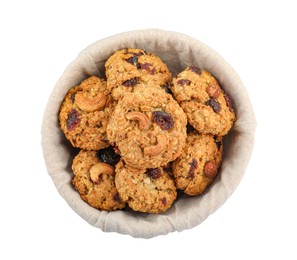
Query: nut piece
[[210, 169], [130, 82], [90, 104], [153, 173], [98, 169], [158, 148], [143, 122], [213, 90]]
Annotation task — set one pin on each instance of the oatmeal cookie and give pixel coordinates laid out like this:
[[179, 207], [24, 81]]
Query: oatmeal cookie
[[84, 114], [195, 169], [148, 127], [128, 68], [147, 190], [94, 180], [207, 106]]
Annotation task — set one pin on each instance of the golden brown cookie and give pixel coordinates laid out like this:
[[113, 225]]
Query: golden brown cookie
[[149, 128], [84, 114], [94, 180], [207, 106], [128, 68], [195, 169], [147, 190]]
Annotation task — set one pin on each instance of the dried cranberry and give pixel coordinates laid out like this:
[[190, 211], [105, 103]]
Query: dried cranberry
[[195, 69], [148, 67], [184, 82], [228, 102], [214, 104], [73, 120], [108, 155], [130, 82], [134, 61], [164, 201], [153, 173], [193, 166], [163, 119]]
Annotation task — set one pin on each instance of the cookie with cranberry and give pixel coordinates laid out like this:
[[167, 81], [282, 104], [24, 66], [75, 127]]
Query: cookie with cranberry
[[128, 68], [148, 127], [196, 168], [94, 180], [146, 190], [85, 112], [207, 106]]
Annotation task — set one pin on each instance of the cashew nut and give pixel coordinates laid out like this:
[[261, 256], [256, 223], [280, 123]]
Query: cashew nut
[[143, 122], [90, 104], [158, 148], [98, 169]]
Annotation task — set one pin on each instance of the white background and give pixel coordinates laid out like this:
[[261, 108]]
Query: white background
[[40, 38]]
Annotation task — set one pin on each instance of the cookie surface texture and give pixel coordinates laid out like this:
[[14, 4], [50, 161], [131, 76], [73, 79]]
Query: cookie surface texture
[[84, 114], [128, 68], [94, 180], [207, 106], [196, 168], [149, 128], [147, 190]]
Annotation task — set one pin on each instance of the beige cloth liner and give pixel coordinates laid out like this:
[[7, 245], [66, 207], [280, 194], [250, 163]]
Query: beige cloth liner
[[177, 51]]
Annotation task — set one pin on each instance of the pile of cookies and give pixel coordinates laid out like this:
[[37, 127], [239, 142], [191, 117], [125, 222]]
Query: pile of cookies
[[144, 135]]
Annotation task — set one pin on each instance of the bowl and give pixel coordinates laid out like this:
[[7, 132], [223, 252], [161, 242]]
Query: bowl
[[177, 51]]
